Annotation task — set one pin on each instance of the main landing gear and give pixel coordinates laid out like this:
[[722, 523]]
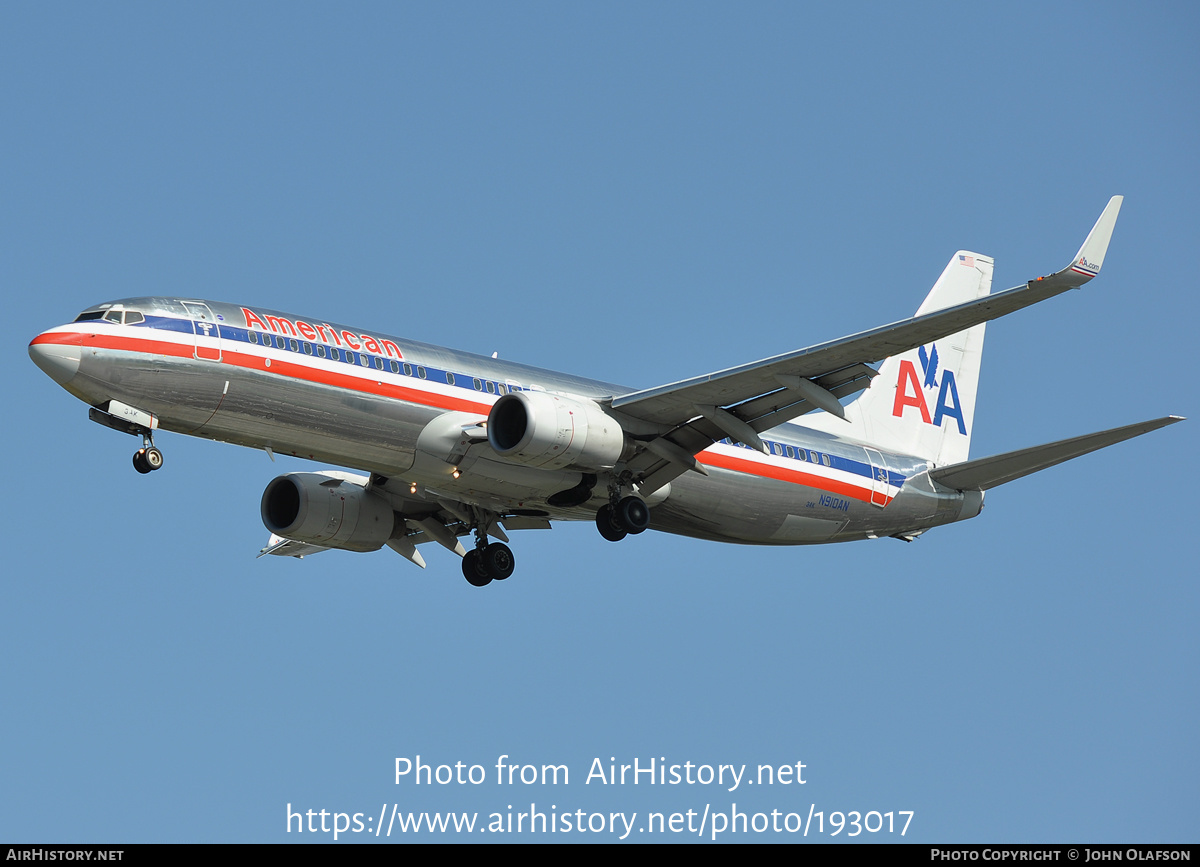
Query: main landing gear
[[486, 563], [628, 516]]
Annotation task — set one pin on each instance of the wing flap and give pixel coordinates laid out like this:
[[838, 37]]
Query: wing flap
[[985, 473]]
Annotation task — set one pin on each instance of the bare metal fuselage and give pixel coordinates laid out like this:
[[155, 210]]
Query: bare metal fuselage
[[387, 406]]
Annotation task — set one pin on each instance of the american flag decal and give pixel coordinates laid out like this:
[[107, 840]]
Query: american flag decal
[[967, 260]]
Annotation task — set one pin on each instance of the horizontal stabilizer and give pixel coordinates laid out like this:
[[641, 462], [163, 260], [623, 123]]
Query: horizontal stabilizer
[[985, 473]]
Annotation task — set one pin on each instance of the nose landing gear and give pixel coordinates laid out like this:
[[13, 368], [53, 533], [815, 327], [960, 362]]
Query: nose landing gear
[[148, 458], [130, 420]]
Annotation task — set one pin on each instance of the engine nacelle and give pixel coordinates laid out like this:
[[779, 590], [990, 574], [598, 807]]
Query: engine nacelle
[[549, 431], [330, 509]]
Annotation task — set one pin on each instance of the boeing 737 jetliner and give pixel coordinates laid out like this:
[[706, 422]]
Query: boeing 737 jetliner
[[457, 445]]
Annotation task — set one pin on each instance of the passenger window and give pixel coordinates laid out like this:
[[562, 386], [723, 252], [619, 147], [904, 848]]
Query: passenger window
[[364, 360], [501, 388], [335, 353], [814, 457], [379, 364], [825, 460], [790, 454], [449, 378], [395, 366], [420, 371], [478, 384], [407, 369], [491, 388], [320, 351], [778, 449], [252, 337], [295, 346], [308, 349]]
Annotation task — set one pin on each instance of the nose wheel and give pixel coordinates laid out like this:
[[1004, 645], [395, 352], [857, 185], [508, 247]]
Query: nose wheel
[[147, 459]]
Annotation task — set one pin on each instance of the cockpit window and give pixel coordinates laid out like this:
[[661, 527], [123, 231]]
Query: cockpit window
[[128, 317]]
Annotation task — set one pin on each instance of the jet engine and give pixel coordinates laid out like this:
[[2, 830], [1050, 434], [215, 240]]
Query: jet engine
[[334, 510], [549, 431]]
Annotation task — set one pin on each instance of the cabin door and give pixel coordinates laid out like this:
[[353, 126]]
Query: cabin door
[[879, 478], [208, 333]]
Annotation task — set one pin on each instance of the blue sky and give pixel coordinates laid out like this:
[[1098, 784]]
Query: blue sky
[[635, 193]]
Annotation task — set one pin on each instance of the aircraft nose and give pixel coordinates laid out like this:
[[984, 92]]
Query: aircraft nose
[[57, 354]]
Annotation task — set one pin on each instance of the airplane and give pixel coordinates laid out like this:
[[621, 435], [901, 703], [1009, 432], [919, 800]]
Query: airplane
[[455, 444]]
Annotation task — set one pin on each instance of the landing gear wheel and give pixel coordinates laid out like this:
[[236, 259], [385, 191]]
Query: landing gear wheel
[[147, 459], [474, 571], [498, 561], [607, 525], [633, 515]]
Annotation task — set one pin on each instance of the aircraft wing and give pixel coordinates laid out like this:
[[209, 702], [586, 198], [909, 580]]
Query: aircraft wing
[[837, 359], [985, 473], [740, 402]]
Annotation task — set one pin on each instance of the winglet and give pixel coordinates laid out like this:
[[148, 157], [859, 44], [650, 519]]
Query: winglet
[[1091, 255]]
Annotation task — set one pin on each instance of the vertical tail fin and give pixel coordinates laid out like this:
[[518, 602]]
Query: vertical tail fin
[[923, 401]]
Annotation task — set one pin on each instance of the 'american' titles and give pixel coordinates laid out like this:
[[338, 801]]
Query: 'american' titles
[[329, 335]]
